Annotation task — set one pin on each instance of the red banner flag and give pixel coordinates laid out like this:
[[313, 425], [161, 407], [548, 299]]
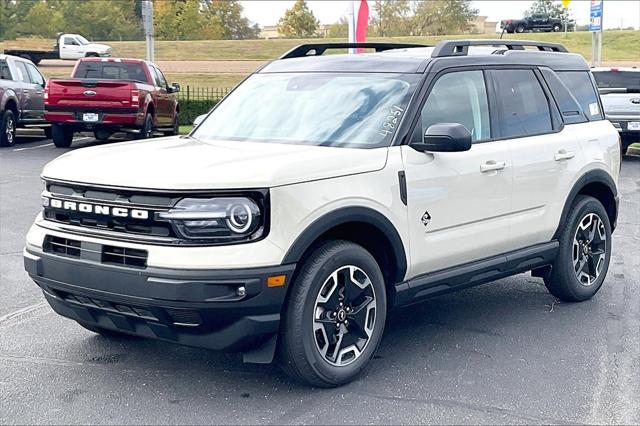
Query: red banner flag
[[362, 23]]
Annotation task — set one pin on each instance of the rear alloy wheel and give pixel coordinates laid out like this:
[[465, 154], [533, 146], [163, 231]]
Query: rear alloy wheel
[[62, 136], [584, 254], [334, 317], [8, 135]]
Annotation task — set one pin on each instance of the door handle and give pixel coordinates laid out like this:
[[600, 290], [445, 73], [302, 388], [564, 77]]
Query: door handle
[[39, 92], [563, 155], [492, 165]]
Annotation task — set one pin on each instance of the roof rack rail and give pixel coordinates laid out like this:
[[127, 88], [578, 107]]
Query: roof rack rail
[[461, 47], [319, 48]]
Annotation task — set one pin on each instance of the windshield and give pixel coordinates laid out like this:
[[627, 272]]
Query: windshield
[[83, 41], [628, 80], [353, 110]]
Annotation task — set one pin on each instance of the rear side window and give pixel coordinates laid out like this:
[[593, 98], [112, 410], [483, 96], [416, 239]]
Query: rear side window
[[581, 86], [568, 105], [35, 75], [5, 73], [523, 107], [459, 97], [23, 75], [111, 71]]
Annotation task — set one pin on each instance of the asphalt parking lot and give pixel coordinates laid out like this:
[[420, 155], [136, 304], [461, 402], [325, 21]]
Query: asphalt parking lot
[[506, 352]]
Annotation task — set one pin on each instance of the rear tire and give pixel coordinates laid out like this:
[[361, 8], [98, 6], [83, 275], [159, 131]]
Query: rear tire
[[520, 29], [147, 127], [102, 135], [334, 317], [103, 331], [62, 136], [585, 252], [7, 128]]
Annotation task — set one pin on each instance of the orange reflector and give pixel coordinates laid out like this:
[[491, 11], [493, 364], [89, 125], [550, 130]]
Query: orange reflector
[[276, 281]]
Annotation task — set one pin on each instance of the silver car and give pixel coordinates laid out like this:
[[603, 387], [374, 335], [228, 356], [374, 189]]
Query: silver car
[[620, 92]]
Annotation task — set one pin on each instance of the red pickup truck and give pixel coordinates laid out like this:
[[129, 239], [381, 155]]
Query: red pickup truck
[[111, 95]]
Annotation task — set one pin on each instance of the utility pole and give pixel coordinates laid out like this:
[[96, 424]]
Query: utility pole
[[147, 24], [595, 27]]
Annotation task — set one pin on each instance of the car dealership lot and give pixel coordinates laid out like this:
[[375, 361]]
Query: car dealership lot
[[502, 353]]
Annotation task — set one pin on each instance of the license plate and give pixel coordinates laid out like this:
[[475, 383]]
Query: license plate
[[90, 117], [633, 125]]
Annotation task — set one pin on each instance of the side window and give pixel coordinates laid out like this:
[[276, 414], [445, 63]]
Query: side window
[[159, 78], [35, 75], [5, 72], [23, 74], [459, 97], [70, 41], [570, 109], [580, 84], [523, 108]]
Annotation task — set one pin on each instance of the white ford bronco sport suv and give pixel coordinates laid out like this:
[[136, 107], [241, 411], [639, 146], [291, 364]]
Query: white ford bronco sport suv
[[326, 190]]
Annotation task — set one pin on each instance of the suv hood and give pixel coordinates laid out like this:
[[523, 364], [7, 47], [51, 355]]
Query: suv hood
[[179, 163]]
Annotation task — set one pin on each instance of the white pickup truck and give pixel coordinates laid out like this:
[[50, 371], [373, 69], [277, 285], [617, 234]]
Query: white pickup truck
[[68, 46]]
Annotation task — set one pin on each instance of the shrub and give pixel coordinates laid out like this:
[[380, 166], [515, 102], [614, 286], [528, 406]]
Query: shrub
[[190, 109]]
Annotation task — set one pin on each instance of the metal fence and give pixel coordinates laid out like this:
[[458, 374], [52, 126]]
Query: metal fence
[[191, 93]]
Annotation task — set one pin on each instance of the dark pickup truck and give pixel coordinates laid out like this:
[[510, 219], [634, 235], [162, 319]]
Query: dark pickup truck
[[532, 23], [21, 98], [111, 95]]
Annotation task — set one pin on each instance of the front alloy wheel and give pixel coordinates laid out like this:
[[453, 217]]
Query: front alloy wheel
[[344, 315], [334, 316], [589, 249]]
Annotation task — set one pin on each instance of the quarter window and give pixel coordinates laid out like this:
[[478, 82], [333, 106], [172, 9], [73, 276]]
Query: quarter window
[[35, 75], [459, 97], [580, 84], [523, 107]]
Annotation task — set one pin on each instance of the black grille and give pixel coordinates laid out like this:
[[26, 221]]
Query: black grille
[[124, 256], [149, 202], [92, 302], [111, 255], [62, 246]]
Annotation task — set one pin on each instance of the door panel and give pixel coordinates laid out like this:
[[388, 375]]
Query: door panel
[[36, 92], [458, 202], [468, 210]]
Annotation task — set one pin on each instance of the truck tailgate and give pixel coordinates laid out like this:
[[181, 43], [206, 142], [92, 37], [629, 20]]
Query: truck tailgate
[[83, 94]]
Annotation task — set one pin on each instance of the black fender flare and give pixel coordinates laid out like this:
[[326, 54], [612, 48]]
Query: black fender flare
[[592, 176], [346, 215]]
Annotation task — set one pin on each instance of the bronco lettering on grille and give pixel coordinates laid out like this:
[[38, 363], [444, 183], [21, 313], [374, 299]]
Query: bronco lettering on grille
[[99, 209]]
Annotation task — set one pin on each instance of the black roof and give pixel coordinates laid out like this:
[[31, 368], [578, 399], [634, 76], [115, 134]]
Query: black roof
[[393, 58]]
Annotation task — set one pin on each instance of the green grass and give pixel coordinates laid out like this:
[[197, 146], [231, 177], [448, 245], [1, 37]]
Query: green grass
[[184, 129], [617, 46]]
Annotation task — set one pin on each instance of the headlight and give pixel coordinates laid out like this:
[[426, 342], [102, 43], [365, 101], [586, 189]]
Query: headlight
[[222, 219]]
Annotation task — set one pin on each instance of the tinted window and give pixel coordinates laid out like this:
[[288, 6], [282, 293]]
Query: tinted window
[[35, 75], [111, 71], [23, 74], [459, 97], [523, 107], [569, 107], [5, 73], [580, 85], [629, 80]]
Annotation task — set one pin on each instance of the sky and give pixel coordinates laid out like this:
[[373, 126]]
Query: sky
[[616, 12]]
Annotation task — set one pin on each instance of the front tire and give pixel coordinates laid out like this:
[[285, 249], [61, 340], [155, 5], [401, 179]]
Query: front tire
[[520, 29], [585, 252], [7, 128], [62, 136], [334, 317]]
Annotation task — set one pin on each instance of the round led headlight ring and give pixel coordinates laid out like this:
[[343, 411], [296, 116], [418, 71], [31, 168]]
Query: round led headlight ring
[[240, 218]]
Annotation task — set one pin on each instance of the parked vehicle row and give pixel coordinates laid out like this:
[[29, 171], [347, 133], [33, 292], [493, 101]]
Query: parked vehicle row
[[103, 96], [325, 191]]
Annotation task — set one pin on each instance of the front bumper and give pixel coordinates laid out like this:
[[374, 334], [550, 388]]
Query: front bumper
[[202, 308]]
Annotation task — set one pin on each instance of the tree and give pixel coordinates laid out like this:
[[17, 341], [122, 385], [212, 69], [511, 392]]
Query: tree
[[229, 14], [298, 21], [442, 17], [548, 8], [391, 17], [100, 20], [340, 29], [42, 20]]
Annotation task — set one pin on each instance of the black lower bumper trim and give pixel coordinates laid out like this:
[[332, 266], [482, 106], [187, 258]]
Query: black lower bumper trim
[[203, 308]]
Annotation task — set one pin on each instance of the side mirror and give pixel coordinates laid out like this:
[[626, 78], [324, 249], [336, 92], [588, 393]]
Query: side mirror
[[444, 137], [199, 119], [174, 88]]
